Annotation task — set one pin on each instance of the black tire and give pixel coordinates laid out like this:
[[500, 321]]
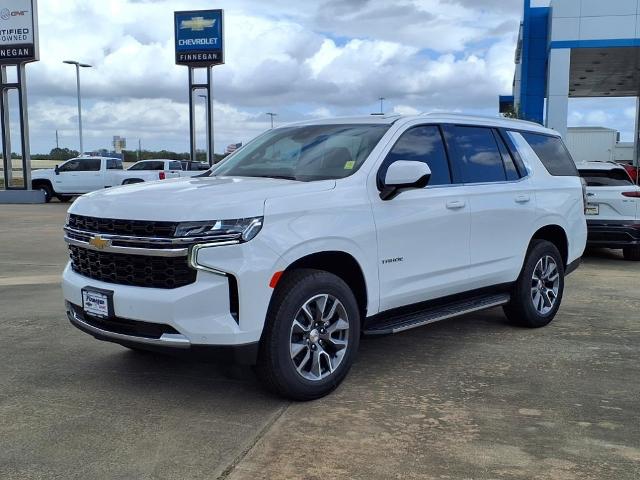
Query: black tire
[[275, 367], [46, 188], [131, 181], [64, 198], [521, 309], [632, 253]]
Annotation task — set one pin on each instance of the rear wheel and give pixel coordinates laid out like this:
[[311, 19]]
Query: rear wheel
[[632, 253], [538, 291], [311, 335]]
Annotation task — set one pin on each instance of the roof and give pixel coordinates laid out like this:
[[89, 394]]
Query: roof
[[431, 117], [592, 129], [598, 165]]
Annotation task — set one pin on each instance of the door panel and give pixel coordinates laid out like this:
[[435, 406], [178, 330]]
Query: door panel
[[423, 234], [423, 245]]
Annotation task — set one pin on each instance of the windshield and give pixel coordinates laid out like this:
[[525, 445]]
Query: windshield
[[312, 152]]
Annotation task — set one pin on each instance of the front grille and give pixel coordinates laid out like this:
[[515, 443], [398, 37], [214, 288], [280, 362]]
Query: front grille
[[124, 326], [133, 270], [137, 228]]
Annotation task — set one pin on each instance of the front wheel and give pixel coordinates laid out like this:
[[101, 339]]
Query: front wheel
[[46, 188], [632, 253], [311, 336], [537, 294], [64, 198]]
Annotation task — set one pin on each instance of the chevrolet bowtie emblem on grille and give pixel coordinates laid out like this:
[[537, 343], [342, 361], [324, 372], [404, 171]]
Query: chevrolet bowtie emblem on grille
[[197, 24], [99, 242]]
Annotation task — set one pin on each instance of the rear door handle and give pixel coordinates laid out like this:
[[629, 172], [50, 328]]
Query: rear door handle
[[456, 204], [591, 194], [523, 198]]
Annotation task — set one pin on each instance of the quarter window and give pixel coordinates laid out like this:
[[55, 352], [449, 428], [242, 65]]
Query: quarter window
[[552, 153], [477, 154], [420, 144]]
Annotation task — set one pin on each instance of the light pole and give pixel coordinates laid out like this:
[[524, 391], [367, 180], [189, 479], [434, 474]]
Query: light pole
[[382, 99], [271, 114], [78, 66], [209, 159]]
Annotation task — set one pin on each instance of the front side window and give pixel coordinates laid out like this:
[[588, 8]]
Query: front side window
[[552, 153], [305, 153], [420, 144], [70, 166], [616, 177], [477, 154], [139, 166]]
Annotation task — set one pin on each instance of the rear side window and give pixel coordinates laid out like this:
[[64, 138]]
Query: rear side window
[[114, 164], [175, 165], [477, 154], [552, 153], [420, 144], [89, 165], [616, 177]]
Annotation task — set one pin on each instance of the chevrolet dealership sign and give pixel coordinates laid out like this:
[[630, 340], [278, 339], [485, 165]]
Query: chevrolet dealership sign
[[18, 32], [199, 38]]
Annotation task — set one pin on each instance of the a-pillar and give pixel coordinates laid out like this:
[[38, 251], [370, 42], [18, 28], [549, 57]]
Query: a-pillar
[[558, 90]]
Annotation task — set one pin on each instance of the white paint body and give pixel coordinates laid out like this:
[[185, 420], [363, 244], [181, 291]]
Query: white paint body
[[452, 238], [78, 182]]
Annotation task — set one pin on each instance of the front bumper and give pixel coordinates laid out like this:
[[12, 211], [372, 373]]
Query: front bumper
[[170, 343], [613, 233]]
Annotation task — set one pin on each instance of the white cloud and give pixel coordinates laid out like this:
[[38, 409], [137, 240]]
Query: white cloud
[[299, 59]]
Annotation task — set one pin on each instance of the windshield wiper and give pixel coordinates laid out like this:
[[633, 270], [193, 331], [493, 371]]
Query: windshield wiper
[[283, 177]]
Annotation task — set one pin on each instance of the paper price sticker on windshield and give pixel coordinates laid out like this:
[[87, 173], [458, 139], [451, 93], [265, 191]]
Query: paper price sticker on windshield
[[349, 165]]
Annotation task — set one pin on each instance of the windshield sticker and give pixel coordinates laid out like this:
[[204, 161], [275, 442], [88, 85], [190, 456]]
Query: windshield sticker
[[349, 165]]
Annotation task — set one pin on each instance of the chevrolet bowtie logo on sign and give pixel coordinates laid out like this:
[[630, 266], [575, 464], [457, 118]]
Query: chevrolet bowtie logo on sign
[[197, 24], [199, 38], [99, 242]]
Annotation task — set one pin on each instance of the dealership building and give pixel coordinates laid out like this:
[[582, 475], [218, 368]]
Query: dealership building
[[574, 49]]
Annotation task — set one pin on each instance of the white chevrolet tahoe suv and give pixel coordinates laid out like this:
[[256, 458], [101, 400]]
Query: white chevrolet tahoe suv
[[317, 233]]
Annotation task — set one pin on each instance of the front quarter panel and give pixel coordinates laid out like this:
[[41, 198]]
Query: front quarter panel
[[335, 220]]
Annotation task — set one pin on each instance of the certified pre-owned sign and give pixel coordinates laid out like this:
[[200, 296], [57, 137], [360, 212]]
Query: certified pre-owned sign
[[199, 38], [18, 32]]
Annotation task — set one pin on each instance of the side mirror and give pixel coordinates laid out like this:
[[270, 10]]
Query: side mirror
[[404, 175], [57, 170]]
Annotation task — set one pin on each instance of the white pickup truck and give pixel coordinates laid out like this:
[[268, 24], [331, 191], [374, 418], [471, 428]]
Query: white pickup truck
[[86, 174], [157, 169], [77, 176]]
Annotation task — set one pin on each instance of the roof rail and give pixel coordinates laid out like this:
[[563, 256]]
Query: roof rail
[[478, 117]]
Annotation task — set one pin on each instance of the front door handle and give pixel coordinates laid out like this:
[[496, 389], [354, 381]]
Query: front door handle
[[523, 198], [456, 204]]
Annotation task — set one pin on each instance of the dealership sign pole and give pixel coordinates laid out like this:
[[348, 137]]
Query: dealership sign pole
[[199, 37], [18, 46]]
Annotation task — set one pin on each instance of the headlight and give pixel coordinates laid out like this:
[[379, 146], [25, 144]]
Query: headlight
[[242, 229]]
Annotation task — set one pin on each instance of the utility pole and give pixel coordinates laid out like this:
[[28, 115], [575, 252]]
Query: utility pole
[[382, 99], [271, 114], [57, 143], [139, 149]]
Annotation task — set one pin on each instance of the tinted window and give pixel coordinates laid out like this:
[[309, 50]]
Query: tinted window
[[616, 177], [70, 166], [89, 165], [509, 165], [477, 154], [552, 153], [148, 165], [114, 164], [175, 165], [420, 144]]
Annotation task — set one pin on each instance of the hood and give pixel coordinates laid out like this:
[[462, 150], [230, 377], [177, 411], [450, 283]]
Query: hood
[[42, 173], [192, 199]]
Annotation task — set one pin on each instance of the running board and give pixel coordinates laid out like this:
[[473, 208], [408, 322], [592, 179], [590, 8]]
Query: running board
[[401, 322]]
